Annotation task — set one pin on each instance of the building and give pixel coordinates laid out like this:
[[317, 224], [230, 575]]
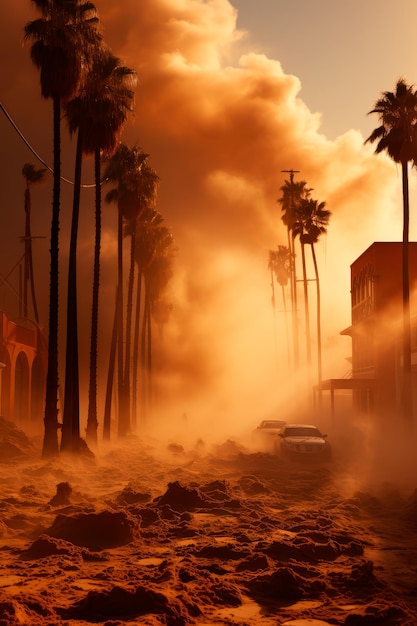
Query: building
[[377, 330], [23, 361]]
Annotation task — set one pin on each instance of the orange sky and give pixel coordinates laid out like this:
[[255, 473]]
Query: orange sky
[[220, 121]]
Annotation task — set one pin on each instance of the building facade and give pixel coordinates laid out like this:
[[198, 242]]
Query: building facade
[[23, 361], [377, 328]]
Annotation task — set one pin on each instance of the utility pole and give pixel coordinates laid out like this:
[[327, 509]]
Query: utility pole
[[291, 173]]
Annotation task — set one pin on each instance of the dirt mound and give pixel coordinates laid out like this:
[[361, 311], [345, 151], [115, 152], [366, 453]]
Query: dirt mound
[[95, 531], [13, 442]]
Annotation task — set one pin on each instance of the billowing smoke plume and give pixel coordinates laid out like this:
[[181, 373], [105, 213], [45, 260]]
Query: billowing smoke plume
[[221, 123]]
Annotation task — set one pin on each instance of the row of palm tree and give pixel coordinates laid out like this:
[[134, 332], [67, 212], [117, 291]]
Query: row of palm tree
[[62, 40], [306, 219], [89, 84]]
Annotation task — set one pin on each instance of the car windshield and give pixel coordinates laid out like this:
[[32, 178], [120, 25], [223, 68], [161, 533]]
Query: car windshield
[[302, 431], [272, 424]]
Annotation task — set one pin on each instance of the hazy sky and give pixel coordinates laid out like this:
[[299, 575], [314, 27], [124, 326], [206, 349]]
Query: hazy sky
[[229, 95], [344, 54]]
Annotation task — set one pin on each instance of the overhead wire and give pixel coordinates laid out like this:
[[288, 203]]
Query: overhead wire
[[33, 151]]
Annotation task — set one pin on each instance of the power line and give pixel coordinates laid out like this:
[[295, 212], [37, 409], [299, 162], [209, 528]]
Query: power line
[[33, 151]]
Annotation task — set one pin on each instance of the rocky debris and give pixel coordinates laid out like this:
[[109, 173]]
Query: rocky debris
[[13, 441], [46, 546], [96, 531], [181, 498], [63, 495], [129, 495], [121, 603]]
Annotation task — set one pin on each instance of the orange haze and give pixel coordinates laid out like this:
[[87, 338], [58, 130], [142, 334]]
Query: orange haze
[[220, 126]]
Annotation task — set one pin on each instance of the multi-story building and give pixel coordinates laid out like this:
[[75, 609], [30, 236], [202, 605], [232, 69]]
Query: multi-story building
[[377, 329]]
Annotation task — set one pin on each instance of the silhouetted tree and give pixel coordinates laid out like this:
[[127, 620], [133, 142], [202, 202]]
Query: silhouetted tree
[[279, 265], [59, 41], [136, 184], [292, 192], [98, 114], [154, 257], [312, 219]]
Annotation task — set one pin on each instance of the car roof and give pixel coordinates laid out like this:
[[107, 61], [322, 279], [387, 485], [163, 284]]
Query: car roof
[[300, 426]]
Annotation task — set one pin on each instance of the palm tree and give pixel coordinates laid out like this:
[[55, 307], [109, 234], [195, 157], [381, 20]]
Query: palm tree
[[292, 192], [32, 176], [280, 264], [397, 135], [59, 38], [135, 190], [154, 257], [147, 189], [297, 231], [313, 218], [98, 114]]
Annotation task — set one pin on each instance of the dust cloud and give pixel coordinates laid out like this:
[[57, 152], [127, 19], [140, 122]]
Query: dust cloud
[[220, 122], [198, 522]]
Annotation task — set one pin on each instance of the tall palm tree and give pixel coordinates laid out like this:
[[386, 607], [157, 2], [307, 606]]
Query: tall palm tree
[[32, 176], [97, 114], [313, 218], [297, 231], [147, 191], [136, 184], [280, 264], [397, 135], [59, 38], [292, 192], [154, 257]]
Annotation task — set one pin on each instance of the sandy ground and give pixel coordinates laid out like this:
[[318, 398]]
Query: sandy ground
[[206, 535]]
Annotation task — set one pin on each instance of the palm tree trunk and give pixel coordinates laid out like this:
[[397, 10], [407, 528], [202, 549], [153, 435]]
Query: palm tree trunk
[[28, 242], [284, 302], [123, 423], [274, 314], [26, 260], [293, 284], [407, 402], [306, 307], [110, 372], [50, 442], [144, 401], [71, 420], [149, 359], [319, 349], [92, 421], [136, 349], [129, 311]]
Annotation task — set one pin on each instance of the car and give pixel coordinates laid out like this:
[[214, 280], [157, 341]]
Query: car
[[304, 442], [266, 434], [271, 427]]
